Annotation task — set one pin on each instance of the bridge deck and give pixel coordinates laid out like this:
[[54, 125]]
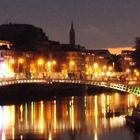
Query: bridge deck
[[114, 85]]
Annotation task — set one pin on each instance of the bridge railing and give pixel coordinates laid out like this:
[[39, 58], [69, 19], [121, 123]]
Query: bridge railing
[[110, 84]]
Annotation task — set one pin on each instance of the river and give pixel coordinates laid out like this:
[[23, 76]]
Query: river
[[91, 117]]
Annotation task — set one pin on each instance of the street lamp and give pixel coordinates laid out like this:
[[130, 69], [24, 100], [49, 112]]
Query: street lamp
[[54, 62], [40, 63], [95, 65], [104, 67], [110, 68], [50, 65], [127, 70], [128, 74], [12, 61], [20, 61], [71, 65]]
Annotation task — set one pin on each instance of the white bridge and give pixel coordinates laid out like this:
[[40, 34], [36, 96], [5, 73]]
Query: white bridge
[[108, 84]]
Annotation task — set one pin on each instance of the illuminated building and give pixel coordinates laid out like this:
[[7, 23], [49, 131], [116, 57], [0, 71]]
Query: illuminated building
[[127, 60], [6, 57], [32, 44]]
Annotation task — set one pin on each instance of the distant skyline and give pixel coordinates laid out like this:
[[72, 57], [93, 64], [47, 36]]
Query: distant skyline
[[98, 23]]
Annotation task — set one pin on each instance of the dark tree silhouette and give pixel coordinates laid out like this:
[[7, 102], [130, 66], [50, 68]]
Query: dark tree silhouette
[[136, 53]]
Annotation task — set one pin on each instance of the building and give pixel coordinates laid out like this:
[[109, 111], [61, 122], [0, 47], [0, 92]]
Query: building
[[127, 60], [35, 53], [6, 59], [6, 53]]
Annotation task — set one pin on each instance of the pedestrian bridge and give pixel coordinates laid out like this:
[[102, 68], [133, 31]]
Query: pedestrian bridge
[[108, 84]]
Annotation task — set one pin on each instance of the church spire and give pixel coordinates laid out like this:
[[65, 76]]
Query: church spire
[[72, 34]]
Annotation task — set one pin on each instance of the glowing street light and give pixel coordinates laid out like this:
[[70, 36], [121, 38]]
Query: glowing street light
[[110, 68], [5, 70], [11, 64], [50, 65], [137, 73], [20, 61], [71, 63], [12, 61], [127, 70], [104, 67], [40, 62], [54, 62], [95, 65]]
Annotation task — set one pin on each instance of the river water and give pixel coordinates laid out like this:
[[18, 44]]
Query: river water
[[94, 117]]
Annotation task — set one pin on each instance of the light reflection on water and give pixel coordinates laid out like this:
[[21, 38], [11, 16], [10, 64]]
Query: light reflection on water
[[97, 117]]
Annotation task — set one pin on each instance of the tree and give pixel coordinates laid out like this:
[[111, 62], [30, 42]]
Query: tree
[[136, 53]]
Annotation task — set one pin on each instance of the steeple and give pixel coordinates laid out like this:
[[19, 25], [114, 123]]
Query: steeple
[[72, 34]]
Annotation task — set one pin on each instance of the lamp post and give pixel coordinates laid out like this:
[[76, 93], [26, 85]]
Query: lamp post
[[20, 62], [71, 69], [95, 65], [128, 74], [12, 62], [71, 65], [40, 63], [50, 66]]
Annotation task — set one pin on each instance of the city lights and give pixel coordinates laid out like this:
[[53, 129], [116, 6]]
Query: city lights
[[62, 80], [40, 62], [5, 71], [20, 60]]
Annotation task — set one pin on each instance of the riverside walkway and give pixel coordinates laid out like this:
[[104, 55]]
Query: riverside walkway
[[108, 84]]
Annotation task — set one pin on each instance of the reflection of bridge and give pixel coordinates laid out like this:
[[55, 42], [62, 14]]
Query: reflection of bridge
[[114, 85]]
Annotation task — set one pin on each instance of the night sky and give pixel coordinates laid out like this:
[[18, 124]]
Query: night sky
[[98, 23]]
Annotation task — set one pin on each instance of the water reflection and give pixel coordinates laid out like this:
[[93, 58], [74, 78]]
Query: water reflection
[[76, 118]]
